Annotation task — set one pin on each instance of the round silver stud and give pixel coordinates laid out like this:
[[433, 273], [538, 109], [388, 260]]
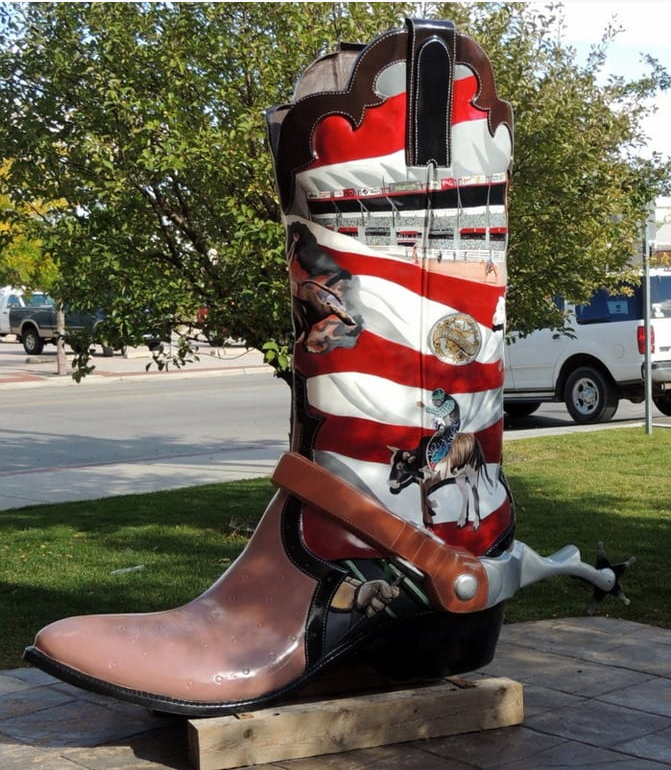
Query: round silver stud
[[466, 587]]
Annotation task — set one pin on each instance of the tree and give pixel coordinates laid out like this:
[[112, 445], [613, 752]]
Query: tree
[[22, 259], [581, 190], [147, 120]]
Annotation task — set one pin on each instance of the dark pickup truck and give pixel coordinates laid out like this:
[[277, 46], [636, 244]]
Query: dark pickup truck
[[35, 325]]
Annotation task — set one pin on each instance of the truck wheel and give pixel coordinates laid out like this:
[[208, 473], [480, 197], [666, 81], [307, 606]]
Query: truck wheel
[[520, 408], [33, 344], [589, 396], [663, 403]]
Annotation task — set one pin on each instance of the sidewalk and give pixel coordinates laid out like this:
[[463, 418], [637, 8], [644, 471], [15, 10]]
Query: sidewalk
[[17, 369], [597, 694]]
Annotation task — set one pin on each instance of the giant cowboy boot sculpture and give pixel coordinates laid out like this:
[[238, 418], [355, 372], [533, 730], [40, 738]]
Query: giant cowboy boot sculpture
[[391, 534]]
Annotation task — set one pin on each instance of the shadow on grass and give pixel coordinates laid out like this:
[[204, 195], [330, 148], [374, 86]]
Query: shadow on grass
[[139, 553], [550, 517]]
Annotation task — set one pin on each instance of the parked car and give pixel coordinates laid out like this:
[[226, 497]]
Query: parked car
[[602, 359], [34, 324], [10, 297]]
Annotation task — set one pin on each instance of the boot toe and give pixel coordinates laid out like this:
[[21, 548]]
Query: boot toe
[[87, 645]]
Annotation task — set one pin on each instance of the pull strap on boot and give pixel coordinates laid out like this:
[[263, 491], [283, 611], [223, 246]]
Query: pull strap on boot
[[445, 567]]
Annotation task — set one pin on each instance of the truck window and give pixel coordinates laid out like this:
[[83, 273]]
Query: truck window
[[39, 299], [660, 296], [608, 308]]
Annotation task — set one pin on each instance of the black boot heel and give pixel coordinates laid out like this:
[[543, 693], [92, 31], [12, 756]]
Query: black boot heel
[[435, 645]]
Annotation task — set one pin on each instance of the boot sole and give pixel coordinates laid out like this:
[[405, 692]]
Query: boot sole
[[422, 647]]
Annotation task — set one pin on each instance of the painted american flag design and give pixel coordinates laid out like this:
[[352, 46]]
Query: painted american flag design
[[398, 283]]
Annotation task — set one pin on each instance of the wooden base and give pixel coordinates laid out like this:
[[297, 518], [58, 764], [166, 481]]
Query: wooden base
[[316, 727]]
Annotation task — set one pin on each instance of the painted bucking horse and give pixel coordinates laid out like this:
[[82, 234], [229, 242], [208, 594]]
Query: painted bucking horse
[[447, 457]]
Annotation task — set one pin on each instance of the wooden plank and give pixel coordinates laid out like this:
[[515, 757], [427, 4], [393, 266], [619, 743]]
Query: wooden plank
[[321, 727]]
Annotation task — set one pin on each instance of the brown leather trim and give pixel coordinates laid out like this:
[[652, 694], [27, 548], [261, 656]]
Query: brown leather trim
[[293, 150], [499, 111], [291, 126], [440, 562]]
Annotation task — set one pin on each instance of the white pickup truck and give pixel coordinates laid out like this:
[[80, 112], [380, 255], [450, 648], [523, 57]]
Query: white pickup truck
[[600, 362]]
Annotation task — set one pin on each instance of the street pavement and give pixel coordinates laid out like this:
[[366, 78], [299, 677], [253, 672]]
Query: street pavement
[[597, 690], [91, 480]]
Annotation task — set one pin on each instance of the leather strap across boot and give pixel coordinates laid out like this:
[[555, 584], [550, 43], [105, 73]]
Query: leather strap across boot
[[392, 167], [442, 565]]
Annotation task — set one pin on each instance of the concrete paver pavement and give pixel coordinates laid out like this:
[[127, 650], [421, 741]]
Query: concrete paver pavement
[[597, 693]]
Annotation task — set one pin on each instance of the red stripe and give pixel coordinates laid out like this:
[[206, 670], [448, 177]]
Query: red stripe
[[331, 541], [398, 363], [382, 132], [335, 140], [366, 440], [478, 300], [407, 274], [328, 539], [370, 441], [491, 440], [465, 91], [478, 541]]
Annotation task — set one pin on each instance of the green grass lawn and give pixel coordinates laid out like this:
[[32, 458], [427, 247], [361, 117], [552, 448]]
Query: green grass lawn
[[65, 559]]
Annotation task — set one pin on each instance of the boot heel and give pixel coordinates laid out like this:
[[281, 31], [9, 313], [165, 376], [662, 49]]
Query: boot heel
[[435, 645]]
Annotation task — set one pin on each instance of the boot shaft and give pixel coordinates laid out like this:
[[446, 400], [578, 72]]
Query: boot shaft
[[392, 165]]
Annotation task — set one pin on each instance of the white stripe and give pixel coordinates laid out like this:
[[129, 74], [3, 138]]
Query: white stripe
[[463, 71], [393, 312], [352, 173], [474, 152], [337, 241], [373, 479], [397, 314], [370, 397]]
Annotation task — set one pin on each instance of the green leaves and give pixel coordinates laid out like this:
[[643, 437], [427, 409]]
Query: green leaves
[[144, 122], [580, 193]]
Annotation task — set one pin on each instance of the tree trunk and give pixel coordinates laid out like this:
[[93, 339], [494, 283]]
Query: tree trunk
[[61, 360]]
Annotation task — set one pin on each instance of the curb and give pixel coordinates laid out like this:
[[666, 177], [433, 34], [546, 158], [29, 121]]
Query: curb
[[39, 380]]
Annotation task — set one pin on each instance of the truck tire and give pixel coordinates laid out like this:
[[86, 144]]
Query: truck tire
[[663, 403], [589, 396], [520, 408], [33, 344]]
